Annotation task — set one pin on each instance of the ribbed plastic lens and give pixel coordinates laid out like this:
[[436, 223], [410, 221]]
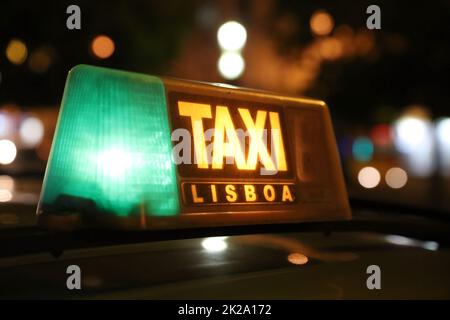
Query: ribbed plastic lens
[[112, 150]]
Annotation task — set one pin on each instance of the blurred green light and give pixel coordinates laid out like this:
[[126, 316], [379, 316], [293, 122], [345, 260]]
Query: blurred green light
[[112, 150], [362, 149]]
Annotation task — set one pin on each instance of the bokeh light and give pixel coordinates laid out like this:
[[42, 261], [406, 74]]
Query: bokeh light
[[430, 245], [16, 51], [321, 23], [8, 151], [411, 133], [362, 149], [6, 188], [5, 195], [232, 36], [231, 65], [369, 177], [214, 244], [297, 258], [103, 46], [442, 130], [364, 42], [396, 178], [6, 183], [31, 132], [331, 49], [414, 137], [381, 135], [5, 125], [40, 59]]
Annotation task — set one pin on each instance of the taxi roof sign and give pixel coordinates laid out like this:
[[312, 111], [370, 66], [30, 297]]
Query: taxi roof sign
[[142, 152]]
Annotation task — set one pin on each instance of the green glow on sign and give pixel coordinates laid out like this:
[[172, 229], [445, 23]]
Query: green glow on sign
[[112, 149]]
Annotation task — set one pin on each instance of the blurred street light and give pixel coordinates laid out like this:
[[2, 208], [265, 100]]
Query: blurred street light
[[396, 178], [31, 132], [232, 36], [103, 47], [442, 130], [369, 177], [231, 65], [413, 136], [16, 51], [8, 151], [321, 23], [40, 59]]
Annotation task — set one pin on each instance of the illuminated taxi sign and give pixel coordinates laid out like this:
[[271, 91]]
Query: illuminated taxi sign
[[137, 151], [230, 140]]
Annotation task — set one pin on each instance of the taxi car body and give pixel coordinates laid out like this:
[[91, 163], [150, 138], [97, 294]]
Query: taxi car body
[[294, 261]]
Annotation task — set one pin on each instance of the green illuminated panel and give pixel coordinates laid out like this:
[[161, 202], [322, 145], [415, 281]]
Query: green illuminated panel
[[112, 150]]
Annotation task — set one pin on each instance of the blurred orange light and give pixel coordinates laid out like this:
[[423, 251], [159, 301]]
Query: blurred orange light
[[330, 49], [16, 51], [40, 60], [297, 258], [103, 46], [321, 23], [364, 42]]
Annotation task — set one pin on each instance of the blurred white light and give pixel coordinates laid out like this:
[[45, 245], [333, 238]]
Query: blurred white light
[[232, 36], [400, 240], [443, 131], [430, 245], [231, 65], [411, 133], [396, 178], [31, 132], [369, 177], [214, 244], [5, 195], [5, 125], [414, 137], [8, 151], [405, 241]]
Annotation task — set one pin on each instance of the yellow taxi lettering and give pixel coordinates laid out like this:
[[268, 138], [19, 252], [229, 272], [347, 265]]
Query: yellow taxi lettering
[[195, 197], [213, 193], [231, 193], [277, 142], [224, 128], [269, 193], [197, 112], [287, 196], [250, 193]]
